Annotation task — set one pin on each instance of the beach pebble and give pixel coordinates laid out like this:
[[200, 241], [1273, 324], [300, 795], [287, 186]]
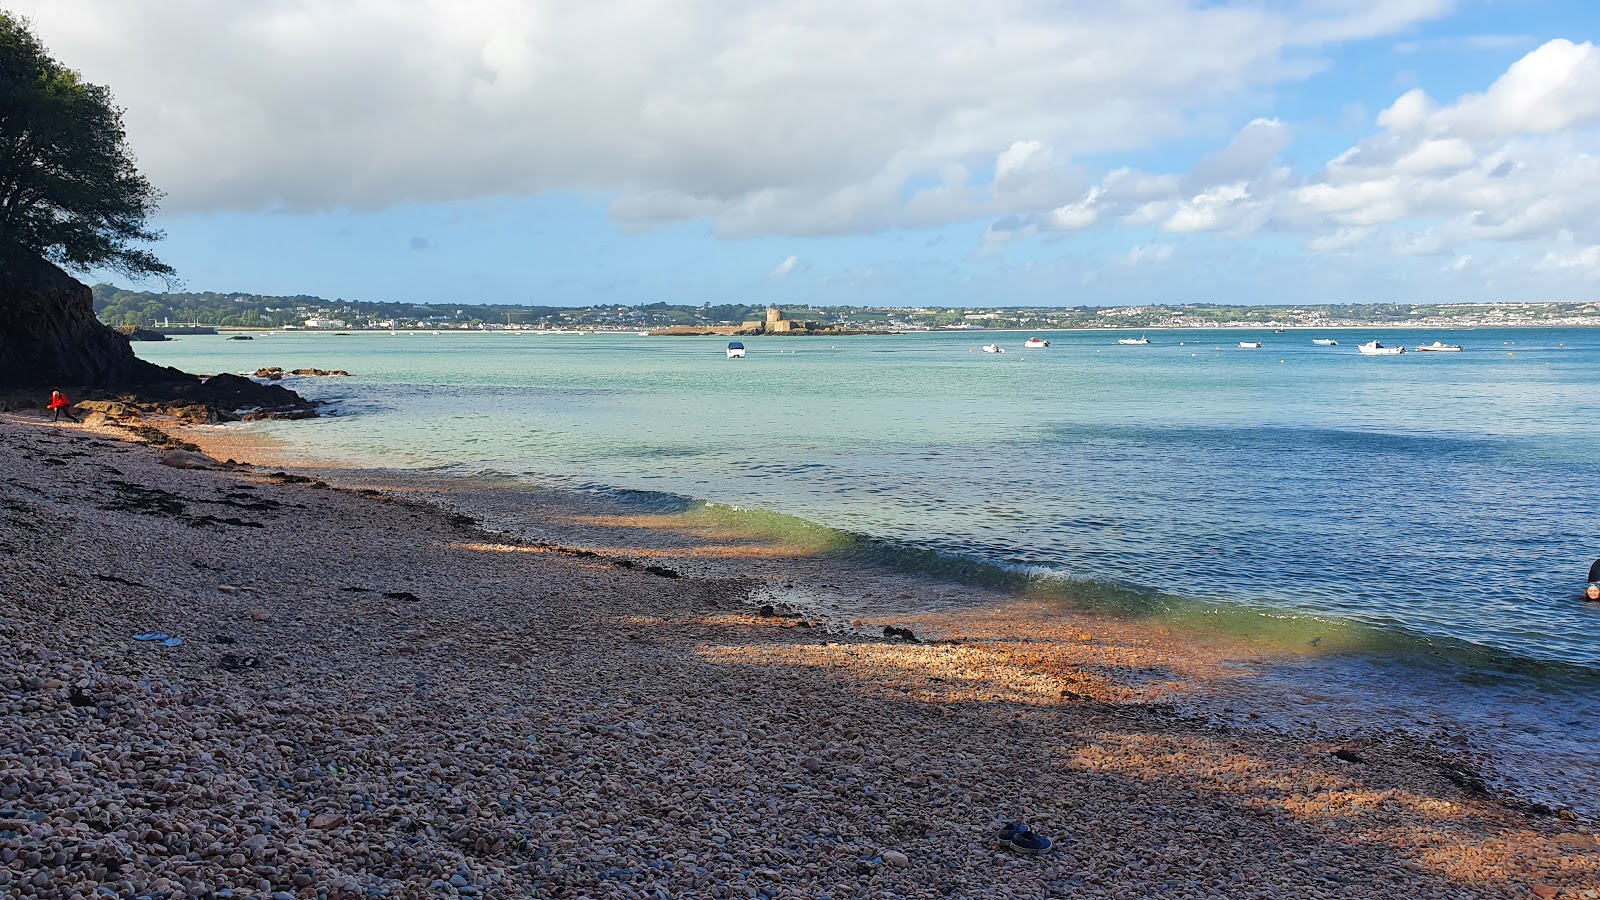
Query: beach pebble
[[548, 724], [186, 459]]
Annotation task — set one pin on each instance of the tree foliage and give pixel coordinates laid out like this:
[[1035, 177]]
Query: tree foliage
[[69, 189]]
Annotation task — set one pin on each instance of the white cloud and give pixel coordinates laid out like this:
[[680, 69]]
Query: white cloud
[[1586, 258], [784, 269], [1552, 88], [1150, 253], [1208, 210], [1519, 162], [794, 116], [1341, 241]]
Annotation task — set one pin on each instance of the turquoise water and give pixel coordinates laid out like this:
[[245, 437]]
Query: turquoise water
[[1406, 535], [1426, 504]]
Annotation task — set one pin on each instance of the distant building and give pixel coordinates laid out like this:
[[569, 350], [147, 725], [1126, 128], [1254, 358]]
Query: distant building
[[776, 324]]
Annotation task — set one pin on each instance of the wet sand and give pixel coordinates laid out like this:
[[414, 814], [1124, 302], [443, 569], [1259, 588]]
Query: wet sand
[[377, 695]]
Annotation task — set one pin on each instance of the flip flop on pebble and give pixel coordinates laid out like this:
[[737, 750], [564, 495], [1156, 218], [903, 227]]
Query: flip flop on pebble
[[1030, 842], [172, 642], [152, 636], [238, 663]]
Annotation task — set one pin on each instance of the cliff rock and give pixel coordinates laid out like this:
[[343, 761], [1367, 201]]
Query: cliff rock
[[49, 336]]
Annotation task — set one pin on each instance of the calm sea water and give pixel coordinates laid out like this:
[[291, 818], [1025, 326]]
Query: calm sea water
[[1453, 497], [1424, 522]]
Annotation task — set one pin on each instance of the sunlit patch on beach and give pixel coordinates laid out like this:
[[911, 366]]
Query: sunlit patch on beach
[[941, 673]]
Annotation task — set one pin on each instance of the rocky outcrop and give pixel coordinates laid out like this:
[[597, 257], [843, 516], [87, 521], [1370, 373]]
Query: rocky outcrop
[[49, 336], [142, 334], [277, 374]]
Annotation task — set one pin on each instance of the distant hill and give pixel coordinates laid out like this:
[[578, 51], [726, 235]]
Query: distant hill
[[143, 309]]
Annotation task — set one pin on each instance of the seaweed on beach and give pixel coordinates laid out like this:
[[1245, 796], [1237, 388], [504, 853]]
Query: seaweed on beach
[[156, 502]]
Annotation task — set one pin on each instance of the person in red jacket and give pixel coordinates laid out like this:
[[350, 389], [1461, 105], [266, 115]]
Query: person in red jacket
[[61, 406]]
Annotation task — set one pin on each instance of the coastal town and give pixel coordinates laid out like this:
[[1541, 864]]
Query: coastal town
[[163, 311]]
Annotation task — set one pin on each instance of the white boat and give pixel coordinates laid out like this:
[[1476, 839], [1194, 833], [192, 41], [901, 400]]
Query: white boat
[[1437, 347], [1373, 348], [1250, 345], [1325, 342], [1140, 340], [1034, 343], [735, 350], [993, 348]]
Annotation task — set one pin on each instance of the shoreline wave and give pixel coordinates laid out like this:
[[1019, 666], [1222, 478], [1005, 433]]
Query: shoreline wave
[[1267, 626]]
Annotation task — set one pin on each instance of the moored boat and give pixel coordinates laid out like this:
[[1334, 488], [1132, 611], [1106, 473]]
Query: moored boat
[[1374, 348], [993, 348], [1141, 340], [1437, 347], [1250, 345], [1325, 342], [1034, 343], [735, 350]]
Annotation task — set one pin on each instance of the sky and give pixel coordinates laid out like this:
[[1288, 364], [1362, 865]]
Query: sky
[[860, 152]]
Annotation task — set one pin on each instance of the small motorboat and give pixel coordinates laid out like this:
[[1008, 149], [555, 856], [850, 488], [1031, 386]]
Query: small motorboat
[[735, 350], [1373, 348], [1138, 341], [1034, 343], [993, 348], [1437, 347], [1250, 345], [1325, 342]]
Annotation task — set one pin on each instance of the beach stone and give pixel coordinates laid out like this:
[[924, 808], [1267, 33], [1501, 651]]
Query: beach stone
[[186, 459], [260, 615], [895, 858], [1546, 891], [811, 764]]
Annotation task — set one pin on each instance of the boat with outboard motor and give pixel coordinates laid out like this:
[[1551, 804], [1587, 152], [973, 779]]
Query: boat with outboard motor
[[1374, 348], [1034, 343], [1139, 341], [1437, 347]]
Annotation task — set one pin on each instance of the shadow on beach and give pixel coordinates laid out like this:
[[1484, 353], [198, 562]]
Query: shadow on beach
[[443, 707]]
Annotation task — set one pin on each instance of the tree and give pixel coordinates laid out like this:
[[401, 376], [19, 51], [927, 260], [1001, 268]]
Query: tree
[[69, 190]]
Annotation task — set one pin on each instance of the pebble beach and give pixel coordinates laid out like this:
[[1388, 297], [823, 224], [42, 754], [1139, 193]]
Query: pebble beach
[[374, 695]]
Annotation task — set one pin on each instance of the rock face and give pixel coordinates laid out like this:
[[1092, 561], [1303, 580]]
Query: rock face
[[49, 336]]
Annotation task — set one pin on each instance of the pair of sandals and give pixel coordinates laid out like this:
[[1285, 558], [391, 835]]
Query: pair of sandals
[[1023, 839]]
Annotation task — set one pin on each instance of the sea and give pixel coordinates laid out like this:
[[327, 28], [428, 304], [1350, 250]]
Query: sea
[[1417, 529]]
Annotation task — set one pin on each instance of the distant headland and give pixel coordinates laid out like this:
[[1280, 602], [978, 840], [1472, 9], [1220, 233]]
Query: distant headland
[[147, 309]]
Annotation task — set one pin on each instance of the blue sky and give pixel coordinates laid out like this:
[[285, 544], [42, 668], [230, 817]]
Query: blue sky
[[825, 151]]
